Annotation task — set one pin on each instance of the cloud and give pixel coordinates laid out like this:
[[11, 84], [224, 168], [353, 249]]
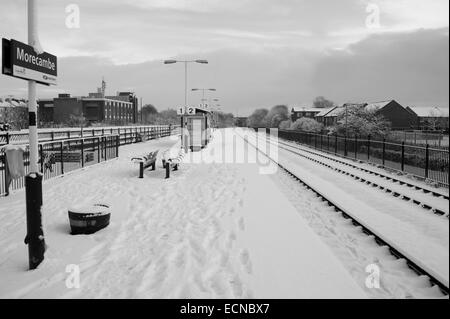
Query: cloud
[[261, 52], [410, 67]]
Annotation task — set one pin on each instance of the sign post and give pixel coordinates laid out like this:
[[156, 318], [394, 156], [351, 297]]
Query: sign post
[[33, 182], [29, 63]]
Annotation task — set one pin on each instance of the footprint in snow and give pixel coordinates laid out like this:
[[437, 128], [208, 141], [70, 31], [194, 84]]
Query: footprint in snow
[[241, 224], [245, 260]]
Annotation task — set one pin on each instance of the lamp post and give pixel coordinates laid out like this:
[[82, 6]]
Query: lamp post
[[185, 72], [203, 92], [183, 140]]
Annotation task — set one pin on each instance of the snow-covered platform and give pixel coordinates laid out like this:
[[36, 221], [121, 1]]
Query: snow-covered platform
[[213, 230]]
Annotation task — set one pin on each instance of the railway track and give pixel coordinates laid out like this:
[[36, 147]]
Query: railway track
[[418, 269], [423, 197]]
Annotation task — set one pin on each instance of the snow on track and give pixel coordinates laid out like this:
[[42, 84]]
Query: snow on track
[[354, 248], [403, 177], [423, 238], [428, 199]]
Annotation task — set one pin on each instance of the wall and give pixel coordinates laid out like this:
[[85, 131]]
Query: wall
[[64, 107], [399, 117]]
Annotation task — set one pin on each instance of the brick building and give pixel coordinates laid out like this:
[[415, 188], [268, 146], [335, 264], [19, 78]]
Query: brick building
[[119, 109], [400, 117], [431, 118], [308, 112]]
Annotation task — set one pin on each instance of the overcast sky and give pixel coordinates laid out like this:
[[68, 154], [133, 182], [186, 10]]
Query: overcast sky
[[260, 52]]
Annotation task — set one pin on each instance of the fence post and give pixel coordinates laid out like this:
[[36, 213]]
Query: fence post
[[335, 144], [98, 151], [6, 174], [384, 150], [368, 147], [345, 145], [7, 138], [41, 155], [427, 160], [68, 134], [117, 145], [82, 153], [356, 146], [403, 156], [53, 135], [61, 155]]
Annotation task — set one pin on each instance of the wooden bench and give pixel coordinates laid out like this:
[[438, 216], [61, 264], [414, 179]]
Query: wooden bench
[[146, 161]]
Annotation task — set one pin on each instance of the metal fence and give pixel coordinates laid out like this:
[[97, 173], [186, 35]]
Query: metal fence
[[63, 155], [421, 161], [420, 138], [125, 133]]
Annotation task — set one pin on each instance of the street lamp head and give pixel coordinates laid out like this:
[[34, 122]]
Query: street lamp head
[[212, 89], [170, 61], [195, 89], [202, 61]]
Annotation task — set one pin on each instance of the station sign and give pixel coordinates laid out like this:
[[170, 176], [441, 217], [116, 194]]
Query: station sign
[[181, 110], [21, 61], [190, 110], [203, 105]]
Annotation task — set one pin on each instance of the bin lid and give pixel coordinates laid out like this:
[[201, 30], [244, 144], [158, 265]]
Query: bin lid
[[97, 209]]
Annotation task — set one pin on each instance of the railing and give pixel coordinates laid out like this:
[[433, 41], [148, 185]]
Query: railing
[[424, 162], [420, 138], [125, 132], [60, 156]]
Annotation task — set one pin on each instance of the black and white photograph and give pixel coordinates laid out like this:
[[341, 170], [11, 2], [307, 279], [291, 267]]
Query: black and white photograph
[[241, 151]]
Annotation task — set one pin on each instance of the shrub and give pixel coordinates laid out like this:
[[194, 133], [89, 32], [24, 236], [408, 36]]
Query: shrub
[[307, 125]]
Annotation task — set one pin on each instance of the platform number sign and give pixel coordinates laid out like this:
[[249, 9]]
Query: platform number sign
[[191, 110], [181, 110]]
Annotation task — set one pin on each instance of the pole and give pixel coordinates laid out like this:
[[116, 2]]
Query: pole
[[33, 181], [346, 121], [142, 105], [185, 82], [183, 137]]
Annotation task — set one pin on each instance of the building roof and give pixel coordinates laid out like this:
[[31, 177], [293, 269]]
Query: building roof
[[104, 99], [335, 112], [372, 106], [13, 102], [431, 111], [325, 111], [306, 109], [202, 110]]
